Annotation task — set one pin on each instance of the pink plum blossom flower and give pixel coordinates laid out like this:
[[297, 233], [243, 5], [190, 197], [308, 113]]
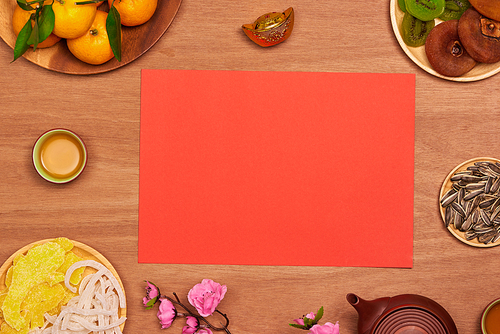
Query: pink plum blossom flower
[[205, 297], [191, 325], [300, 321], [152, 294], [166, 313], [205, 331], [327, 328]]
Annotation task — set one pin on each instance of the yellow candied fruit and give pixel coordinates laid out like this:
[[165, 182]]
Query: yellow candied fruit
[[64, 243], [54, 278], [6, 329], [8, 277], [70, 259], [29, 271], [67, 297], [3, 294], [39, 300], [16, 258]]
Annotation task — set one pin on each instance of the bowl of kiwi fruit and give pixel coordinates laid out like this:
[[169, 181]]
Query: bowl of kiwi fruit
[[457, 40]]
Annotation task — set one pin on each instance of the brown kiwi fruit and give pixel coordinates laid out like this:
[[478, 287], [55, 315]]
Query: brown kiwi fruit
[[445, 52], [489, 8], [480, 36]]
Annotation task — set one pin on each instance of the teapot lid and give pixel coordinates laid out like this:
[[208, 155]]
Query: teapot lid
[[411, 320]]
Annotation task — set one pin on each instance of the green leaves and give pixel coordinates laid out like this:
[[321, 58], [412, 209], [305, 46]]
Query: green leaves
[[319, 315], [43, 25], [308, 322], [25, 5], [46, 22], [113, 28], [22, 40]]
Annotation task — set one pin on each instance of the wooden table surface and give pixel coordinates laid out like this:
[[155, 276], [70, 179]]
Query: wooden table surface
[[454, 122]]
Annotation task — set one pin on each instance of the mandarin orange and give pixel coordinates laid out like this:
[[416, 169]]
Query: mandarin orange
[[72, 20], [134, 12], [93, 47]]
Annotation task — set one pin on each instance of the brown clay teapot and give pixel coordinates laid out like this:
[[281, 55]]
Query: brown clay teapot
[[403, 314]]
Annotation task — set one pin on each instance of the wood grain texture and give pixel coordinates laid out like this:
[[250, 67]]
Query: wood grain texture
[[454, 122]]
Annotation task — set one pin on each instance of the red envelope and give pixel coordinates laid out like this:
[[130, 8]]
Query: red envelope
[[276, 168]]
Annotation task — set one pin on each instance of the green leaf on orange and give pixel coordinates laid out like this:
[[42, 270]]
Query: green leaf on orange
[[46, 22], [113, 28], [25, 5], [22, 39]]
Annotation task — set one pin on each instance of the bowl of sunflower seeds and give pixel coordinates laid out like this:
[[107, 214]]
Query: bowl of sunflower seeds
[[469, 202]]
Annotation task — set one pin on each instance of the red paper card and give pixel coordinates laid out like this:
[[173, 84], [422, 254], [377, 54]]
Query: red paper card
[[276, 168]]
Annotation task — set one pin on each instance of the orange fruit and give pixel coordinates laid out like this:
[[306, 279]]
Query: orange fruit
[[72, 21], [134, 12], [19, 19], [93, 47]]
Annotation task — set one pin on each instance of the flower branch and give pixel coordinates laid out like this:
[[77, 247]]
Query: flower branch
[[204, 297]]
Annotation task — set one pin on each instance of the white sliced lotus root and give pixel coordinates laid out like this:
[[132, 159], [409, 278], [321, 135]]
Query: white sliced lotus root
[[101, 268]]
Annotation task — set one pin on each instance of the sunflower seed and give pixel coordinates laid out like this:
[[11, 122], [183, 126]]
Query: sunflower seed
[[474, 186], [482, 228], [495, 186], [448, 216], [496, 237], [449, 197], [495, 214], [458, 221], [487, 203], [485, 218], [461, 196], [488, 184], [473, 194], [467, 224], [459, 209], [486, 238], [469, 235], [494, 168]]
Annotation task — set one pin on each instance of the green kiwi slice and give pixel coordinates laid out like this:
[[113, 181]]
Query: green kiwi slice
[[415, 31], [425, 10], [454, 9], [402, 5]]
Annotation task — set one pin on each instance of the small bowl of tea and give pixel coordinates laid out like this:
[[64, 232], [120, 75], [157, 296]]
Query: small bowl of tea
[[490, 320], [59, 156]]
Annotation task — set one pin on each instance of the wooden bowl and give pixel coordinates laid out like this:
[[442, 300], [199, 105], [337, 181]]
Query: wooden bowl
[[447, 185], [418, 56], [79, 249], [136, 41]]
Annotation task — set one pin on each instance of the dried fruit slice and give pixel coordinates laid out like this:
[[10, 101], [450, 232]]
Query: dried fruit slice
[[64, 243], [29, 271], [6, 329], [445, 52], [454, 9], [402, 5], [480, 36], [40, 299], [69, 260], [425, 10], [489, 8], [3, 294], [415, 31]]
